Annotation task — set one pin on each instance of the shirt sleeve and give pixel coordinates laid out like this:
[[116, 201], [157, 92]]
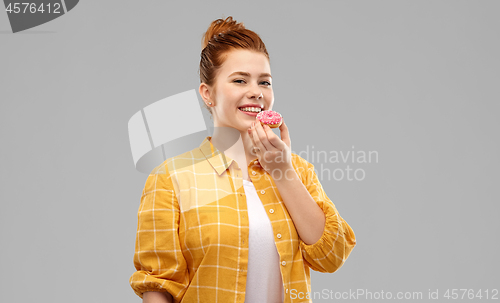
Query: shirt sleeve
[[158, 257], [330, 252]]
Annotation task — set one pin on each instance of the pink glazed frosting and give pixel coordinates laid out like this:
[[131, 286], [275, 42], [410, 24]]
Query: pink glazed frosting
[[269, 117]]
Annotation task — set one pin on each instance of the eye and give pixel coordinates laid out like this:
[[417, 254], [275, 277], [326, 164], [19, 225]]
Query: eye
[[238, 80], [266, 82]]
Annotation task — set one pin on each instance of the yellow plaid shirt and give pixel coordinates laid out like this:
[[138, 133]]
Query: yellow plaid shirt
[[192, 231]]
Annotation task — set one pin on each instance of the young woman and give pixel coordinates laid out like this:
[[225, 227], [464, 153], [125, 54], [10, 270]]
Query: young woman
[[241, 218]]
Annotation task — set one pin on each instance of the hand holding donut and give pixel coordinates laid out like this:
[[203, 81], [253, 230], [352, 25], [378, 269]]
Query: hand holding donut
[[273, 153]]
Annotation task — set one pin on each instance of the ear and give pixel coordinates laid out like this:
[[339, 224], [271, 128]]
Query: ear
[[204, 92]]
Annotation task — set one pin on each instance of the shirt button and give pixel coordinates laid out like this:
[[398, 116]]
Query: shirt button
[[262, 191], [271, 210], [279, 236], [254, 173], [283, 263]]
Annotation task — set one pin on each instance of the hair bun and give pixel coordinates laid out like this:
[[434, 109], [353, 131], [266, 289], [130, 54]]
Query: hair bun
[[222, 37], [220, 27]]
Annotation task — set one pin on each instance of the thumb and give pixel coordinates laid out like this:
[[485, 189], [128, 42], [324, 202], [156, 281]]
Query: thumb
[[285, 135]]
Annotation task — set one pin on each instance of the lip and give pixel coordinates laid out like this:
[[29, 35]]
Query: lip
[[249, 113], [251, 105]]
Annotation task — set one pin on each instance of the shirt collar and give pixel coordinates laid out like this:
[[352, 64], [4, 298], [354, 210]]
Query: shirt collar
[[219, 161]]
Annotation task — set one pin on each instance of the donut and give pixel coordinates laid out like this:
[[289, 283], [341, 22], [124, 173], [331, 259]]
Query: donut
[[269, 117]]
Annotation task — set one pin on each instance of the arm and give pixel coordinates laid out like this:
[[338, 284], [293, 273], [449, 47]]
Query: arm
[[307, 216], [158, 259], [337, 239], [157, 297]]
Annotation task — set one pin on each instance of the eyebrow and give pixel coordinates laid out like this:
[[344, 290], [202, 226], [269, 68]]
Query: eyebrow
[[248, 75]]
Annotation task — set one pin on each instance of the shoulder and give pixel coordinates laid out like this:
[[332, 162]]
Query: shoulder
[[179, 162], [166, 174]]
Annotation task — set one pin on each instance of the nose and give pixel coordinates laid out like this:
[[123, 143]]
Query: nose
[[255, 92]]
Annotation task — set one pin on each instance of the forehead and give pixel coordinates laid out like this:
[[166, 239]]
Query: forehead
[[247, 61]]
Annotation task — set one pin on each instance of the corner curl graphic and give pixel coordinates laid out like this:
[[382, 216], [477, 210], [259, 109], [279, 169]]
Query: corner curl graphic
[[170, 127], [24, 15]]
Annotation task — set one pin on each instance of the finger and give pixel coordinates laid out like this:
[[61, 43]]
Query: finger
[[285, 135], [256, 138], [254, 148], [275, 141], [261, 134]]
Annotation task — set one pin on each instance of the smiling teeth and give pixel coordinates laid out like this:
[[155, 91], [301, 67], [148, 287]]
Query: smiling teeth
[[251, 109]]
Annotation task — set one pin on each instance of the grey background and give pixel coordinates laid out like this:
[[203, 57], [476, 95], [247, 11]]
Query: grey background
[[416, 81]]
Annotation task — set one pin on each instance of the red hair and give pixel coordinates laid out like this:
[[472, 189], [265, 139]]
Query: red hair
[[222, 37]]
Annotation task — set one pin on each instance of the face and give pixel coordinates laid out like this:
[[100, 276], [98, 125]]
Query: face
[[243, 80]]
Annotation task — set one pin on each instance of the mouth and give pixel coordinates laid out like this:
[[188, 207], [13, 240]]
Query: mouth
[[251, 111]]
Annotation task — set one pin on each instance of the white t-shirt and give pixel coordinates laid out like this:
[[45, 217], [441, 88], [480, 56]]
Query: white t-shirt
[[264, 282]]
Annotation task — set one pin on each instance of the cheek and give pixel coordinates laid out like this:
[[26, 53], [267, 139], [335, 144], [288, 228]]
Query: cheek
[[231, 94]]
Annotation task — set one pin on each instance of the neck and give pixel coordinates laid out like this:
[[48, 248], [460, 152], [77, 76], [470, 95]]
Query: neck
[[235, 144]]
